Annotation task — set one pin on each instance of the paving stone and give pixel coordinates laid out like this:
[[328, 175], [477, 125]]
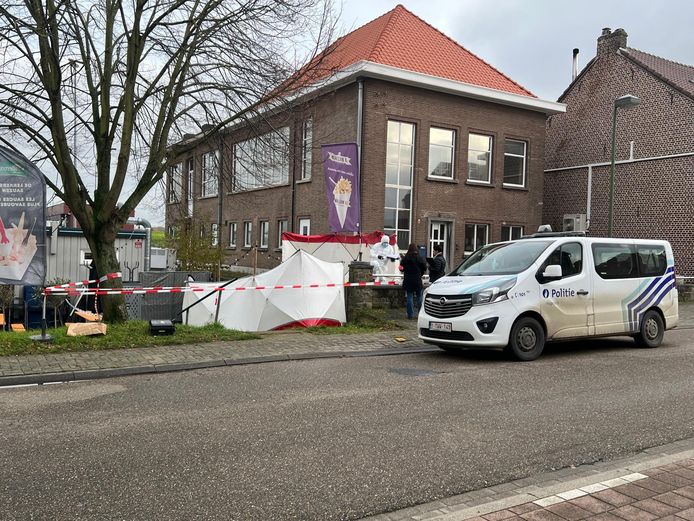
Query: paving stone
[[499, 516], [569, 511], [656, 485], [686, 514], [613, 498], [541, 515], [686, 491], [634, 491], [675, 500], [525, 507], [631, 513], [655, 507]]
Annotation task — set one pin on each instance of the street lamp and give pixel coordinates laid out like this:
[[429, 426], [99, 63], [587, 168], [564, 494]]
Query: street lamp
[[622, 102]]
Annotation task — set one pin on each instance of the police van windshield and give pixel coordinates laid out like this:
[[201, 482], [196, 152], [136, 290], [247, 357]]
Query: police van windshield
[[504, 258]]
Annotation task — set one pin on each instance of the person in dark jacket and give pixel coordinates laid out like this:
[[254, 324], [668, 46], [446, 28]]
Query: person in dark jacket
[[413, 267], [437, 264]]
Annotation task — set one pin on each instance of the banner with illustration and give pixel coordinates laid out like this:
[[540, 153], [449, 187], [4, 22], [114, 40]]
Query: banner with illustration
[[341, 170], [22, 221]]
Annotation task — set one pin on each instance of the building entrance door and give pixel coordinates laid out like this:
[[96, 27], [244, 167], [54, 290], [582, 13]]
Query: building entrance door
[[440, 233]]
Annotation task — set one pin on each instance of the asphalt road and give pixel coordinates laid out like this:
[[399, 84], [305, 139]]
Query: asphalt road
[[332, 439]]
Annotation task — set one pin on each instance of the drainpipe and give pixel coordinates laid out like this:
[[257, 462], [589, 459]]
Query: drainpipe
[[148, 230], [360, 116]]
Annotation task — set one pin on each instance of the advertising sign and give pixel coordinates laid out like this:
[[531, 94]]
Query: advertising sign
[[341, 171], [22, 221]]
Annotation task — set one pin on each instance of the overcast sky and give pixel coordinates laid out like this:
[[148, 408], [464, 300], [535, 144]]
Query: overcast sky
[[531, 40]]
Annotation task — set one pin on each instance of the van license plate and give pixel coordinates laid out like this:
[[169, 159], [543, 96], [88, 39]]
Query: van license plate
[[440, 326]]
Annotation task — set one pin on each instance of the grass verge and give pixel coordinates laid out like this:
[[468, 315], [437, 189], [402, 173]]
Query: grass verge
[[119, 336], [366, 321]]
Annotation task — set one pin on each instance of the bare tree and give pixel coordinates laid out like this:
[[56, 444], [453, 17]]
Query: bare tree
[[126, 79]]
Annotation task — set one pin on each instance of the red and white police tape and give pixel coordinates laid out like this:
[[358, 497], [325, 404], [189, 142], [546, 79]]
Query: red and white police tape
[[74, 290], [110, 276]]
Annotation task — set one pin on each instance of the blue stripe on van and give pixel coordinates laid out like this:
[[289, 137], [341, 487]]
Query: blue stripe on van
[[649, 297], [664, 289]]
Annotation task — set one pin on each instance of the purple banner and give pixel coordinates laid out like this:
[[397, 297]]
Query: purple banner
[[341, 170]]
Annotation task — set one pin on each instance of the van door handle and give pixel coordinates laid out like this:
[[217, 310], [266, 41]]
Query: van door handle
[[581, 292]]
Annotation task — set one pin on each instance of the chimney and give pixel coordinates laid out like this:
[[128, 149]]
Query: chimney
[[611, 42], [574, 66]]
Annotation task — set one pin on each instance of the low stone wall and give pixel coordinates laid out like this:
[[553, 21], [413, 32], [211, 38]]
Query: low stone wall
[[685, 292], [369, 297]]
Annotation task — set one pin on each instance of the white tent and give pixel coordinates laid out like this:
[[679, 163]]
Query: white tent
[[271, 308]]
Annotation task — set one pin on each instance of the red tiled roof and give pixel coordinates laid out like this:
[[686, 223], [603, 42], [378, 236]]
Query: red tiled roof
[[401, 39], [678, 75]]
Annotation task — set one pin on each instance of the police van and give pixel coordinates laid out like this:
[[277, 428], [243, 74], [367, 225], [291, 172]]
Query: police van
[[553, 286]]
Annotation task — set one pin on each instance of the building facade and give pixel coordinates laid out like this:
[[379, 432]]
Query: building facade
[[654, 170], [452, 152]]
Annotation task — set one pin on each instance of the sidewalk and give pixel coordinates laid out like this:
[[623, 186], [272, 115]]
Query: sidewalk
[[61, 367], [656, 484]]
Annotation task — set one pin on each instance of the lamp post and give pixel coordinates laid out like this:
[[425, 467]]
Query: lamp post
[[622, 102]]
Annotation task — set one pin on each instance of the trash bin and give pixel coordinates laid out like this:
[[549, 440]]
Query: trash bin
[[423, 251]]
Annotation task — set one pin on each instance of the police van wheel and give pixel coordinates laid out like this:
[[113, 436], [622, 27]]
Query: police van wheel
[[652, 330], [527, 339]]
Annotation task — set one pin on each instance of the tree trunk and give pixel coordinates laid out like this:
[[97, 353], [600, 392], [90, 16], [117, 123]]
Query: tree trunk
[[103, 249]]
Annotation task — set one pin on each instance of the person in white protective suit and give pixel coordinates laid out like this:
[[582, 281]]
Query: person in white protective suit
[[383, 256]]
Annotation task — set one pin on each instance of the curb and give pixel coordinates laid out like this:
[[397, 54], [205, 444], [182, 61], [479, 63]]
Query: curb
[[94, 374]]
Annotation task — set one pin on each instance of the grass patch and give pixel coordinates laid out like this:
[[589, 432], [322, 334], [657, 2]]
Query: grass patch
[[119, 336], [366, 321]]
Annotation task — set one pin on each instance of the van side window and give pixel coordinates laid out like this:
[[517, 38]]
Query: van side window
[[615, 261], [569, 256], [652, 259]]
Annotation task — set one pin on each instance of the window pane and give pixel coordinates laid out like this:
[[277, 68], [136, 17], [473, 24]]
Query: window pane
[[514, 147], [403, 239], [440, 161], [652, 260], [392, 154], [403, 220], [391, 197], [406, 133], [393, 131], [478, 166], [391, 174], [481, 236], [505, 233], [389, 219], [440, 136], [615, 261], [513, 170], [404, 200], [405, 155], [478, 142], [405, 176]]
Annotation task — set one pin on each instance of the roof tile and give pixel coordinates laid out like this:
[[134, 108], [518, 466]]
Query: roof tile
[[678, 75]]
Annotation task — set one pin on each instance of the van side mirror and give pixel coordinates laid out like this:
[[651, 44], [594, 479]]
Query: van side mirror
[[552, 272]]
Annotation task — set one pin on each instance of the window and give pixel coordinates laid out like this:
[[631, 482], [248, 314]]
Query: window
[[399, 170], [441, 152], [511, 233], [214, 233], [615, 261], [175, 183], [191, 176], [282, 226], [264, 233], [476, 236], [479, 158], [569, 256], [262, 161], [306, 149], [232, 234], [247, 234], [652, 260], [514, 162], [210, 173], [305, 226], [172, 232], [202, 231]]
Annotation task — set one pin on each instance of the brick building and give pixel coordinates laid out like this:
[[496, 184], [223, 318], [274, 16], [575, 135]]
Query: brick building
[[654, 174], [452, 150]]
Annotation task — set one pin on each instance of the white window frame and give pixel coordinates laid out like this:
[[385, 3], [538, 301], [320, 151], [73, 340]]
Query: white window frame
[[233, 230], [474, 236], [175, 183], [247, 234], [490, 152], [214, 234], [282, 226], [452, 151], [306, 149], [264, 232], [190, 163], [511, 227], [210, 174], [305, 222], [396, 230], [525, 162]]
